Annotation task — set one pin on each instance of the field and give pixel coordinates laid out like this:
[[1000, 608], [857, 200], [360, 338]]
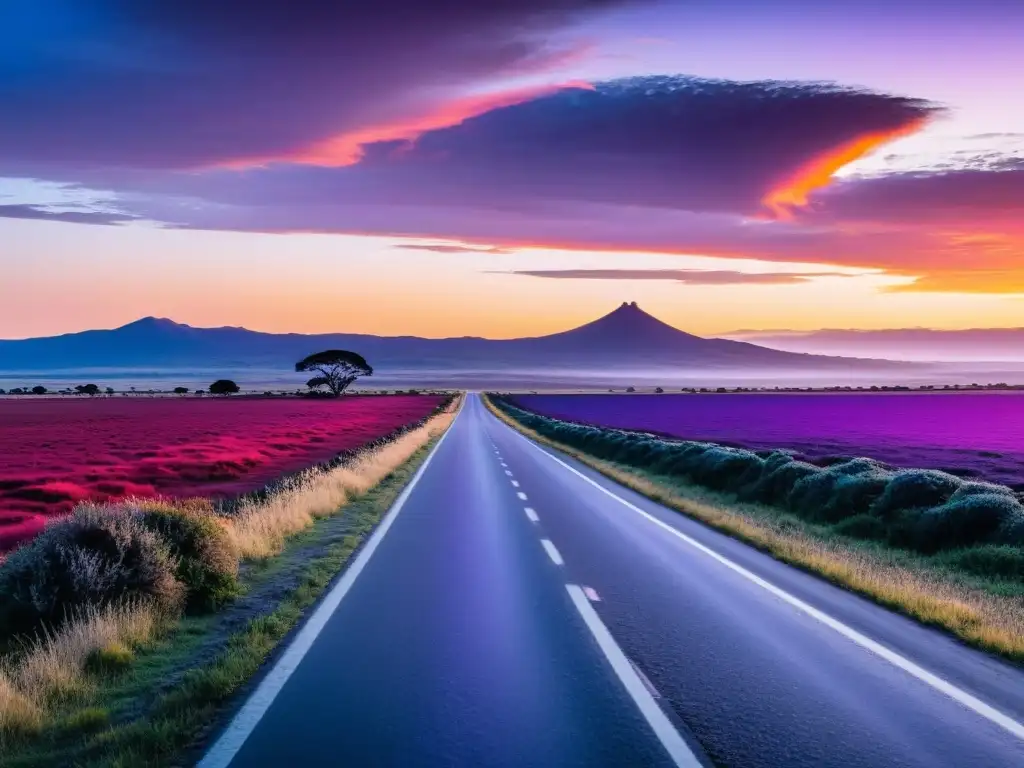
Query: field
[[978, 435], [911, 508], [57, 452]]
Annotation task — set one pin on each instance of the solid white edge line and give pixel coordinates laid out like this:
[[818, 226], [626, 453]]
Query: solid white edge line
[[553, 553], [644, 679], [964, 698], [248, 717], [677, 748], [530, 513]]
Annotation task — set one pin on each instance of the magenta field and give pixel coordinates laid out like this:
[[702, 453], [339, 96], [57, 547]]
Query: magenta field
[[971, 434], [57, 452]]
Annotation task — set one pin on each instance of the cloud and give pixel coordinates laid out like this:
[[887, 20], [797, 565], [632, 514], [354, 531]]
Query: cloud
[[338, 120], [688, 276], [675, 143], [37, 213], [185, 84], [451, 248], [956, 197]]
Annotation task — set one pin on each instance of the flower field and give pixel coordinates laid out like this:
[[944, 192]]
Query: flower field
[[57, 452], [978, 435]]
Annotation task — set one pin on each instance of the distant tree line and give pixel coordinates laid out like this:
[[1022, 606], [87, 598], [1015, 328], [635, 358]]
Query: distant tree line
[[335, 370]]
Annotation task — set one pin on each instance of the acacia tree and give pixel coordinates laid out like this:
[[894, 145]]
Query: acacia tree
[[336, 369], [223, 387]]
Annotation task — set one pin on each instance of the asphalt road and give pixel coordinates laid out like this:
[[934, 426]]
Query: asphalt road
[[517, 609]]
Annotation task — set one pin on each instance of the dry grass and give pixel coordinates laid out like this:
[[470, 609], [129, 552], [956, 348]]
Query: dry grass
[[991, 622], [260, 528], [19, 715], [61, 666], [53, 670]]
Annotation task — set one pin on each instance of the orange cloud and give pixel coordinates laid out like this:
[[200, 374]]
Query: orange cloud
[[347, 148], [796, 190]]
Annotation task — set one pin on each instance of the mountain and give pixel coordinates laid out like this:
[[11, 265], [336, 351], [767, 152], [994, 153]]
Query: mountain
[[627, 338], [919, 344]]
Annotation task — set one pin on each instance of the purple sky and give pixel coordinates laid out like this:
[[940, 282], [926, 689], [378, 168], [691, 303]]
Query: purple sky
[[876, 148]]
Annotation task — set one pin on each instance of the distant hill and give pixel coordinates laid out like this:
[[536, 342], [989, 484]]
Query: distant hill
[[919, 344], [624, 339]]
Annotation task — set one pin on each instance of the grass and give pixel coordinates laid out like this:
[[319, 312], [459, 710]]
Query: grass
[[985, 614], [260, 527], [96, 691], [179, 717]]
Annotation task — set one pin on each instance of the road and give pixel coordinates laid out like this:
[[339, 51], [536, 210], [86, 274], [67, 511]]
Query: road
[[515, 608]]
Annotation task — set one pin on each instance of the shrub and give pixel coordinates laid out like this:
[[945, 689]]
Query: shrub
[[853, 495], [969, 520], [206, 561], [847, 487], [94, 557], [812, 492], [777, 483], [861, 527], [990, 560], [975, 489], [914, 489], [724, 469]]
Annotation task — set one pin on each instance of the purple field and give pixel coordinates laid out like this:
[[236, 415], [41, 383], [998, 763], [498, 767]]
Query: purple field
[[971, 435]]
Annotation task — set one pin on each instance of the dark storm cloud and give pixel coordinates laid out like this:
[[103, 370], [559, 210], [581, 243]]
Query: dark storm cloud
[[187, 83], [687, 276], [35, 213], [660, 142]]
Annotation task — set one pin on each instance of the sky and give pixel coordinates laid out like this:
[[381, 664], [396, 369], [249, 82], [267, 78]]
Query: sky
[[513, 167]]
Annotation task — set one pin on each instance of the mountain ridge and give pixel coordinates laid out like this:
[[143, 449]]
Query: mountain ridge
[[914, 343], [625, 337]]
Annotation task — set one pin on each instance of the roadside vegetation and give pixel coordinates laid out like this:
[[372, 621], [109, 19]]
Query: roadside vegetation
[[126, 627], [946, 551]]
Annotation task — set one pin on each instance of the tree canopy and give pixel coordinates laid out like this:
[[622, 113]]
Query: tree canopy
[[223, 387], [87, 389], [336, 369]]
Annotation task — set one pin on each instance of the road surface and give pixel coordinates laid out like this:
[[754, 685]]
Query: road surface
[[515, 608]]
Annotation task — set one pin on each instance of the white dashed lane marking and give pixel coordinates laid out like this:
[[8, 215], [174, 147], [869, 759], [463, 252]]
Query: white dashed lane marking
[[531, 514], [521, 495], [939, 684], [554, 554]]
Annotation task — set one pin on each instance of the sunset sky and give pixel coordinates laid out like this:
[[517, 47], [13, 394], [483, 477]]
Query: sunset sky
[[510, 167]]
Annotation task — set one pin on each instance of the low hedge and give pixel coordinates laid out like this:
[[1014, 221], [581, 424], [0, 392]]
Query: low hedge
[[924, 510]]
